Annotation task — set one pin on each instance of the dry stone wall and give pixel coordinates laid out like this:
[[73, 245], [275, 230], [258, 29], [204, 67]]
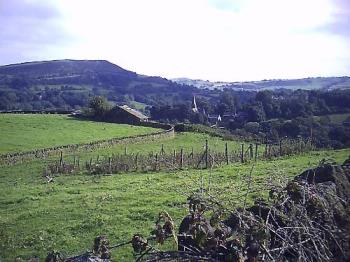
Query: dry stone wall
[[13, 158]]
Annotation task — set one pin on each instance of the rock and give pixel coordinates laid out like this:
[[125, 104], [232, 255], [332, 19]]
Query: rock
[[87, 258], [329, 173]]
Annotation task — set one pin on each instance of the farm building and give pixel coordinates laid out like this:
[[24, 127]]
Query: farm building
[[126, 115]]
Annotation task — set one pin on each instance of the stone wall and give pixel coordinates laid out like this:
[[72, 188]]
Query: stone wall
[[13, 158]]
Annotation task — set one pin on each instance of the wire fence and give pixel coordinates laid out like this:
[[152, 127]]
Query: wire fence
[[165, 160]]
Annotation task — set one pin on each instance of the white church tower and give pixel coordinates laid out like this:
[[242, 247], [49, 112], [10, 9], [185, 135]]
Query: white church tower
[[194, 105]]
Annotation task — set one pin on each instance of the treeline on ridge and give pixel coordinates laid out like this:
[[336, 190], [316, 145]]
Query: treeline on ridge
[[270, 115]]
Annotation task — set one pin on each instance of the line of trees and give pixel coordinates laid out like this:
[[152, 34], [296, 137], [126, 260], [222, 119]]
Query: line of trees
[[271, 114]]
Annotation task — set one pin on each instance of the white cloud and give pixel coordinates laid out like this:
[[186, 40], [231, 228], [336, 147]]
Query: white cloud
[[215, 39]]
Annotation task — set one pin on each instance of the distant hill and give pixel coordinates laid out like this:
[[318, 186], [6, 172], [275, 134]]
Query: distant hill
[[324, 83], [67, 84]]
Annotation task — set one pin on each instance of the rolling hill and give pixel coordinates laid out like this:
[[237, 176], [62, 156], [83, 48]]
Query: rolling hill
[[67, 84], [311, 83]]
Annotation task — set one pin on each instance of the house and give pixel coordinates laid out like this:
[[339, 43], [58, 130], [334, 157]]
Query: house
[[214, 120], [126, 115]]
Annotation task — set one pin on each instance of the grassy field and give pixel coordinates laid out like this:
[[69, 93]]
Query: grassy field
[[185, 141], [66, 215], [335, 118], [36, 217], [21, 132]]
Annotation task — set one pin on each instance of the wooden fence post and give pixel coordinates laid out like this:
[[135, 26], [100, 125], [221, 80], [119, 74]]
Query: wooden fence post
[[136, 164], [242, 153], [181, 158], [125, 151], [109, 164], [61, 159], [251, 155], [162, 150], [256, 152], [226, 154], [206, 154], [156, 165]]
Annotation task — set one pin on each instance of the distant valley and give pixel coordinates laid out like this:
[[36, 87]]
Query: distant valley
[[312, 83]]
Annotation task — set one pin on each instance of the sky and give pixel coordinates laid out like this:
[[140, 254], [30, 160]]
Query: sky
[[216, 40]]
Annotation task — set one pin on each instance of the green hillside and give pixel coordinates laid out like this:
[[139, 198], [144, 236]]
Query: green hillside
[[68, 84], [24, 132]]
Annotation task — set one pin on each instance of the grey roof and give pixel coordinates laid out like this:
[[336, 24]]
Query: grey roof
[[134, 112]]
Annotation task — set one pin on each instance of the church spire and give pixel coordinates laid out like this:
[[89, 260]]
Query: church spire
[[194, 105]]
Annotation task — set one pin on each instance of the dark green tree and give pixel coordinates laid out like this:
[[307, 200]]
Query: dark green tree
[[99, 106]]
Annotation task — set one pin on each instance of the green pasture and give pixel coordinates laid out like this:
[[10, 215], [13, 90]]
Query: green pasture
[[67, 214], [185, 141], [335, 118], [36, 216], [24, 132]]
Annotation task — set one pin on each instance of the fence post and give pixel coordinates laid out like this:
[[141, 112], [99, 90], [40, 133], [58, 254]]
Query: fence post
[[206, 154], [125, 151], [251, 151], [174, 157], [136, 164], [155, 168], [226, 153], [61, 159], [242, 153], [162, 150], [256, 152], [181, 158]]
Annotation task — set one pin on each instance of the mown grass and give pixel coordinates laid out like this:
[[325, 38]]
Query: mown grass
[[36, 217], [24, 132]]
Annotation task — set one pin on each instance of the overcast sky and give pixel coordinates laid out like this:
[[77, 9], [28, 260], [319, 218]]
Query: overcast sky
[[226, 40]]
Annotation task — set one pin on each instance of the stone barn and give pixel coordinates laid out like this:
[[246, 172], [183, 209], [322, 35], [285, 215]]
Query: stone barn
[[126, 115]]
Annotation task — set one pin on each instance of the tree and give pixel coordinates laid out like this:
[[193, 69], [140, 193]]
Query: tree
[[226, 103], [99, 106], [255, 113]]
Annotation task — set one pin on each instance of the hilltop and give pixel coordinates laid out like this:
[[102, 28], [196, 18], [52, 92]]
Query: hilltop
[[67, 84]]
